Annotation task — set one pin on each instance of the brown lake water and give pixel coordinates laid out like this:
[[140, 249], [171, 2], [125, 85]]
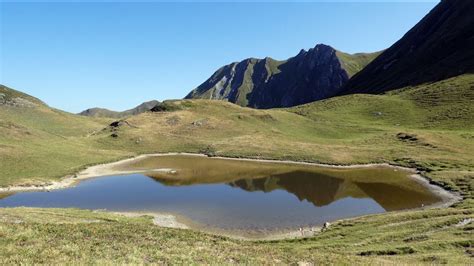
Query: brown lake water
[[240, 195]]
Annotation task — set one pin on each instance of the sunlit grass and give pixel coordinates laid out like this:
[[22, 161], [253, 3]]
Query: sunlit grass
[[429, 127]]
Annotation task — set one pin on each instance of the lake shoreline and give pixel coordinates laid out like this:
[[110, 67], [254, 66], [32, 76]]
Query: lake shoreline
[[172, 221]]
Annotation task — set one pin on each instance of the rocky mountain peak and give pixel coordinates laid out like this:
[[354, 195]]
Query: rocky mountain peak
[[267, 83]]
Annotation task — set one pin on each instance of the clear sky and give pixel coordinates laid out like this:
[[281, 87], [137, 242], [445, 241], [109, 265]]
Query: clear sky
[[116, 55]]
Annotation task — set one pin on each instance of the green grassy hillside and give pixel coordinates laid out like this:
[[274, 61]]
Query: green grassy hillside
[[39, 144], [353, 63], [11, 97], [351, 129], [429, 127]]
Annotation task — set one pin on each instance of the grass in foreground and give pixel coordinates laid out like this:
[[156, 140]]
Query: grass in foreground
[[78, 236]]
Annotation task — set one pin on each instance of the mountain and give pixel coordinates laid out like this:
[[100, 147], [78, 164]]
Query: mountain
[[311, 75], [102, 112], [440, 46]]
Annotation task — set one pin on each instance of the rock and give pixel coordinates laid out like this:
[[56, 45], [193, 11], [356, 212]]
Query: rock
[[197, 123], [326, 225], [464, 222], [119, 123], [159, 108], [114, 135], [16, 102], [406, 137], [116, 124]]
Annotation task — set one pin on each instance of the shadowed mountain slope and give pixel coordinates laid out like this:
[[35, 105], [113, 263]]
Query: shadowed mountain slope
[[440, 46]]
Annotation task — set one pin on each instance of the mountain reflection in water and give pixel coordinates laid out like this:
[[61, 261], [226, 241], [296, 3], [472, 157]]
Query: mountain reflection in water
[[322, 190], [391, 189]]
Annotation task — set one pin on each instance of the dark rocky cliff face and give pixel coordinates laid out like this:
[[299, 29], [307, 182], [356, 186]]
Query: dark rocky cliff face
[[267, 83], [440, 46], [313, 75]]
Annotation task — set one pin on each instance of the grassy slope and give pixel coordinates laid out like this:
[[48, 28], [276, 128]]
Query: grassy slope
[[41, 144], [353, 63], [77, 236], [349, 129], [8, 94]]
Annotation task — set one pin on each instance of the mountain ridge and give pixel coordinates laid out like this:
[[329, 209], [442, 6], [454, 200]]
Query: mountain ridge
[[265, 83], [438, 47], [103, 112]]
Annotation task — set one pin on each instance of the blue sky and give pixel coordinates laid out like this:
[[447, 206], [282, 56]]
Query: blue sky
[[118, 54]]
